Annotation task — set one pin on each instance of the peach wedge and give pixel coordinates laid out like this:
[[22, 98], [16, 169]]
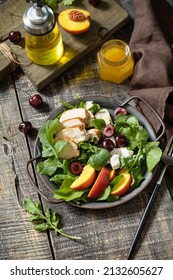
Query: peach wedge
[[123, 186], [86, 179], [100, 184]]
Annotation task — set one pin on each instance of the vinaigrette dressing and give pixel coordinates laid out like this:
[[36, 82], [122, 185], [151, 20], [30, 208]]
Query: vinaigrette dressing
[[43, 40], [115, 61], [46, 49]]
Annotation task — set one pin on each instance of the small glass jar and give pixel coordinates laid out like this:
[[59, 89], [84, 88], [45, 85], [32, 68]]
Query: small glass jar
[[115, 61]]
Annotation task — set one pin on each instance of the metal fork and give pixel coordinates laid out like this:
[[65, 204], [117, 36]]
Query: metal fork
[[167, 158]]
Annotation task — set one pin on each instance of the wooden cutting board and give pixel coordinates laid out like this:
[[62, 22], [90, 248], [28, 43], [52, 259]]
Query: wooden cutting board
[[107, 18]]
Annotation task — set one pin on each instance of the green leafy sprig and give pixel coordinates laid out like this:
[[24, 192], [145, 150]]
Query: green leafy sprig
[[54, 3], [49, 220]]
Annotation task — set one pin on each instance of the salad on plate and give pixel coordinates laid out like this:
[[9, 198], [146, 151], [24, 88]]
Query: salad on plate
[[94, 155]]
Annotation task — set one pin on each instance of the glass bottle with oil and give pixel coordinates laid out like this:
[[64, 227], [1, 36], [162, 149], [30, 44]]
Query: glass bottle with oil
[[43, 40]]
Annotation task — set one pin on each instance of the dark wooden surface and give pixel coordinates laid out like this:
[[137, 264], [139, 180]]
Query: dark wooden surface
[[106, 234]]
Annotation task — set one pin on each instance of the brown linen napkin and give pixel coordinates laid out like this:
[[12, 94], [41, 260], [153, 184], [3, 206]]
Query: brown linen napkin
[[150, 43]]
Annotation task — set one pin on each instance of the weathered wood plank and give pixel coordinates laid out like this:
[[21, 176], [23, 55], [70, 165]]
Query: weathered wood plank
[[18, 239]]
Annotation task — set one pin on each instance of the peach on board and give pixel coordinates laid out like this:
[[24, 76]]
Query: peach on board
[[100, 184], [75, 21], [86, 179], [123, 186]]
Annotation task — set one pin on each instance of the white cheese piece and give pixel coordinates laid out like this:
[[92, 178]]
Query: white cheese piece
[[126, 153], [116, 151], [88, 105], [115, 162]]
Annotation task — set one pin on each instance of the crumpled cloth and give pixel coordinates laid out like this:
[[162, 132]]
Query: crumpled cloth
[[151, 44]]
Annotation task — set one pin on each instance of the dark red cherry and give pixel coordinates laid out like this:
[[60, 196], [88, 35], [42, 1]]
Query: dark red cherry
[[108, 144], [121, 141], [108, 131], [14, 36], [76, 167], [25, 127], [35, 100], [94, 3], [120, 110]]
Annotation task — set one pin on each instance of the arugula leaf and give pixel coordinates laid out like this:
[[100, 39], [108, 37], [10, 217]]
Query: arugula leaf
[[67, 194], [54, 3], [129, 126], [48, 167], [49, 220], [97, 161], [153, 156], [94, 108], [98, 123]]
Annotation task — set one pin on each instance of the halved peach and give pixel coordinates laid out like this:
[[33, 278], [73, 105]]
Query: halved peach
[[75, 21], [100, 184], [123, 186], [86, 179]]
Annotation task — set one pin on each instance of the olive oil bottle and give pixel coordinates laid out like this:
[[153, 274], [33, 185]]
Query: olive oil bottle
[[43, 40]]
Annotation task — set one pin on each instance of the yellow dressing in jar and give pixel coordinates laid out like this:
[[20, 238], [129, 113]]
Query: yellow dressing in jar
[[43, 40], [115, 61], [46, 49]]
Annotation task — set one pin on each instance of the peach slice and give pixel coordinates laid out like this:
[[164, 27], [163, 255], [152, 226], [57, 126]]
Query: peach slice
[[100, 184], [112, 174], [124, 185], [75, 21], [86, 179]]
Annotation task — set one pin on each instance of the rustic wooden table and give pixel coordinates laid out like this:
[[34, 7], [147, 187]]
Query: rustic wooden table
[[106, 234]]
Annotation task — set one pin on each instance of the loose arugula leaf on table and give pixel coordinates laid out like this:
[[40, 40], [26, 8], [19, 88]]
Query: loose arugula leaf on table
[[49, 220]]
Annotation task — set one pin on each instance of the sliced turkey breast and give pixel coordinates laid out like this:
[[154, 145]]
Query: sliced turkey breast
[[73, 122], [103, 114], [94, 133], [75, 134], [80, 113], [70, 151]]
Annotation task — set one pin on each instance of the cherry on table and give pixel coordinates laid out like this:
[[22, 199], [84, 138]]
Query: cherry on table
[[14, 36], [35, 100], [25, 127], [94, 3]]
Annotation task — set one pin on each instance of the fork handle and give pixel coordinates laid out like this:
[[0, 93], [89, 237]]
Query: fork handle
[[143, 221], [146, 213]]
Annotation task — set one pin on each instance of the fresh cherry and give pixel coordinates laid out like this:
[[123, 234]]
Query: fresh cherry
[[108, 130], [76, 167], [108, 144], [35, 100], [121, 141], [94, 3], [25, 127], [120, 110], [14, 36]]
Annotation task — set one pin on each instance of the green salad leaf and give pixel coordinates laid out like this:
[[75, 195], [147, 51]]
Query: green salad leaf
[[100, 159], [41, 221]]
